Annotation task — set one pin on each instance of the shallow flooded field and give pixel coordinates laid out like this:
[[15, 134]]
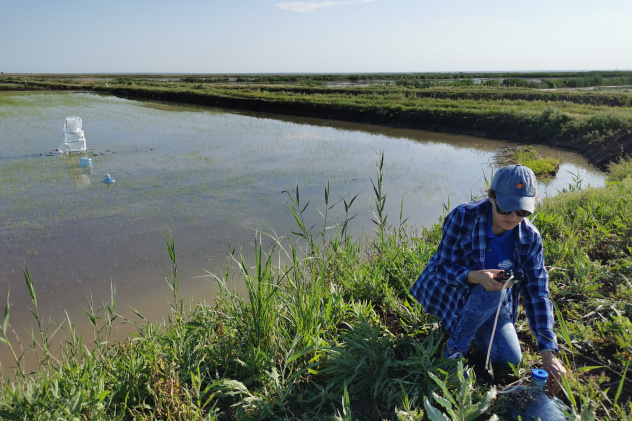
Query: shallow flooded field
[[210, 177]]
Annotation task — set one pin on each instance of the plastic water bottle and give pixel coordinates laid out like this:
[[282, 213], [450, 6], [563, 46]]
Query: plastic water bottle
[[539, 378], [530, 403]]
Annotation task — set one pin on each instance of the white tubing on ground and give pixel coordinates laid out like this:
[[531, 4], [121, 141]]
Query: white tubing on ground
[[491, 340]]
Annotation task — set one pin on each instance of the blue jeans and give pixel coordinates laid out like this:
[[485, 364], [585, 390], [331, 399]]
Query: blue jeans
[[477, 321]]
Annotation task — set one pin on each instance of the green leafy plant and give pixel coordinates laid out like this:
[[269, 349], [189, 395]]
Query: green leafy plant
[[458, 405], [620, 169]]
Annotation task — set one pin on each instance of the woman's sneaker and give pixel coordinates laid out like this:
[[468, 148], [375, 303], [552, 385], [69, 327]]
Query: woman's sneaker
[[455, 356]]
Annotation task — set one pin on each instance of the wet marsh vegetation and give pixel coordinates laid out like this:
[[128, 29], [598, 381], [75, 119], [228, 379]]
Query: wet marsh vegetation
[[328, 331], [208, 174], [527, 156], [317, 323], [547, 108]]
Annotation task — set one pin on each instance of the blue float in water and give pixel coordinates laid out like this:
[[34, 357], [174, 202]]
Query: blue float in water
[[108, 180]]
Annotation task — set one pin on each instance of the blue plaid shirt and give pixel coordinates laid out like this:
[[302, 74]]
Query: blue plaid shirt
[[442, 288]]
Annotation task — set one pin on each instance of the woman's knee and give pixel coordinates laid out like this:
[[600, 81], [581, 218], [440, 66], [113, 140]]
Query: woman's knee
[[515, 357], [510, 355]]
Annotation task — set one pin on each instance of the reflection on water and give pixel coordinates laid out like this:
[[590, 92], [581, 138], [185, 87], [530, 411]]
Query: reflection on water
[[78, 173], [209, 176]]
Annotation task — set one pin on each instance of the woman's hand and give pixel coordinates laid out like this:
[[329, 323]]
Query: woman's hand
[[556, 370], [486, 278]]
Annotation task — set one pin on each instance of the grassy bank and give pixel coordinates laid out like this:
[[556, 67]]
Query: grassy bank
[[582, 120], [328, 331], [490, 112]]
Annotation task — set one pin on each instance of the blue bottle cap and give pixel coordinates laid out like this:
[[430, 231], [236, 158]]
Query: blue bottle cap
[[539, 374]]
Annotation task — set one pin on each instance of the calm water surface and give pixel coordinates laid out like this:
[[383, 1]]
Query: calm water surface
[[210, 176]]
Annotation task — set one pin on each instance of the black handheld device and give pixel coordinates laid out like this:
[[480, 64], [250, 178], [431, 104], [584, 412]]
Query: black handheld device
[[510, 274]]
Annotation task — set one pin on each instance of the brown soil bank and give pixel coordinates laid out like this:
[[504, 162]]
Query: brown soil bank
[[610, 150]]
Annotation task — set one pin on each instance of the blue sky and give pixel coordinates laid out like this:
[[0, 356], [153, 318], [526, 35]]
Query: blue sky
[[332, 36]]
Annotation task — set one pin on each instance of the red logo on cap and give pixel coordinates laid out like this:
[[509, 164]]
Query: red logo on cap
[[520, 186]]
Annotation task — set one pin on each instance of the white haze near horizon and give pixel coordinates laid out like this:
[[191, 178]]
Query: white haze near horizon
[[345, 36]]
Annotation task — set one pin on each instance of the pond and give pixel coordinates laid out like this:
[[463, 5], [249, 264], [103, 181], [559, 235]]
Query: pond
[[210, 177]]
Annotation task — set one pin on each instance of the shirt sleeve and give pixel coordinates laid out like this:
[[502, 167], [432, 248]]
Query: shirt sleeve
[[538, 306], [449, 265]]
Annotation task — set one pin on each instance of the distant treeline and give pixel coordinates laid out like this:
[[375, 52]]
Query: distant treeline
[[536, 80], [454, 92], [421, 80]]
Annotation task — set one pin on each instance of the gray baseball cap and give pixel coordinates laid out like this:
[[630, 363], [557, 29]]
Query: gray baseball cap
[[515, 187]]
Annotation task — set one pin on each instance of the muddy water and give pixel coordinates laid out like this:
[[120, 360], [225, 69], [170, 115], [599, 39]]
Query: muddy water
[[210, 177]]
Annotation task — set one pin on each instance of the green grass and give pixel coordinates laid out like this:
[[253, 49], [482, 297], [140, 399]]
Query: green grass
[[528, 157], [620, 170], [326, 329]]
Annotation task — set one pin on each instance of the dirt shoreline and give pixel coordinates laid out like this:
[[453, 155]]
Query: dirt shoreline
[[610, 150]]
